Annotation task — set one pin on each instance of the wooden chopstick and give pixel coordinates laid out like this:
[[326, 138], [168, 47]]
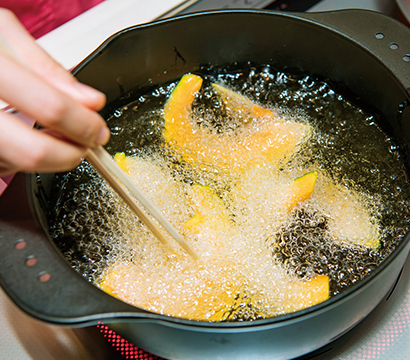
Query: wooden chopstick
[[102, 161]]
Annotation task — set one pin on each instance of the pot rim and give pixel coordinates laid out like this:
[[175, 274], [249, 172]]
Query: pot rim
[[300, 315], [326, 305]]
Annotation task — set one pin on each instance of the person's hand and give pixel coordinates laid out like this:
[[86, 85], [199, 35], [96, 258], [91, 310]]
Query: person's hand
[[40, 88]]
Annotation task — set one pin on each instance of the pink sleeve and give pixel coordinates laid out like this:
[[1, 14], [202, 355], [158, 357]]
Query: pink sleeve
[[41, 16], [4, 182]]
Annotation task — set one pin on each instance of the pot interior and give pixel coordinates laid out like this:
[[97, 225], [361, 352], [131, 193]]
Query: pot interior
[[294, 54]]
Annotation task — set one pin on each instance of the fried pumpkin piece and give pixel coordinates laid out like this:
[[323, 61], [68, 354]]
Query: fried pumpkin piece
[[265, 142], [269, 139], [210, 208], [200, 295], [108, 281], [351, 218], [302, 293], [301, 189], [209, 298], [274, 138], [211, 218], [152, 177], [257, 188], [237, 103], [212, 221], [122, 161], [178, 127]]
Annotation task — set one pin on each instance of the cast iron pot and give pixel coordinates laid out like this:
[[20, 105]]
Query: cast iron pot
[[351, 48]]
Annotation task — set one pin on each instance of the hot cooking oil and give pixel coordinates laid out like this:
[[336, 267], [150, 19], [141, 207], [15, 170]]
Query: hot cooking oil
[[257, 250]]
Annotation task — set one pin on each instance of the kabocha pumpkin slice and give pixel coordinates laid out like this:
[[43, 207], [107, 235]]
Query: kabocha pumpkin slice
[[210, 297], [121, 160], [266, 141], [178, 127], [198, 221], [211, 214], [270, 197], [204, 198], [269, 137], [239, 104], [152, 177], [300, 189], [306, 293], [252, 143], [351, 220]]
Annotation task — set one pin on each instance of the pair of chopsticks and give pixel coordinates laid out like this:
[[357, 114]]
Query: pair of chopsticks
[[102, 161]]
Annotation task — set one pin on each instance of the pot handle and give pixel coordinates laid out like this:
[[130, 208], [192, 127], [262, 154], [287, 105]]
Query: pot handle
[[386, 38], [36, 277]]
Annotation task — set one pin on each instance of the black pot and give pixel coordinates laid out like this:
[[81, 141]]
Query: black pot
[[340, 46]]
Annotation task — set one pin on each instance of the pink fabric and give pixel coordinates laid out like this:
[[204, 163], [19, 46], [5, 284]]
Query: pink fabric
[[4, 182], [41, 16]]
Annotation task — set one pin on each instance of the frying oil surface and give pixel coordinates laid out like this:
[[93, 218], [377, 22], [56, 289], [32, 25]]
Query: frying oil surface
[[260, 255]]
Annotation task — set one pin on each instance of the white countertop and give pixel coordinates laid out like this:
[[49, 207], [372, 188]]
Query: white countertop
[[73, 41]]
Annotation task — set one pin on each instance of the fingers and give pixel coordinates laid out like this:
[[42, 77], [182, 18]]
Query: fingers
[[50, 107], [23, 46], [39, 87], [30, 150]]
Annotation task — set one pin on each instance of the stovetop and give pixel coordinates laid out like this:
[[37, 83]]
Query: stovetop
[[384, 334]]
